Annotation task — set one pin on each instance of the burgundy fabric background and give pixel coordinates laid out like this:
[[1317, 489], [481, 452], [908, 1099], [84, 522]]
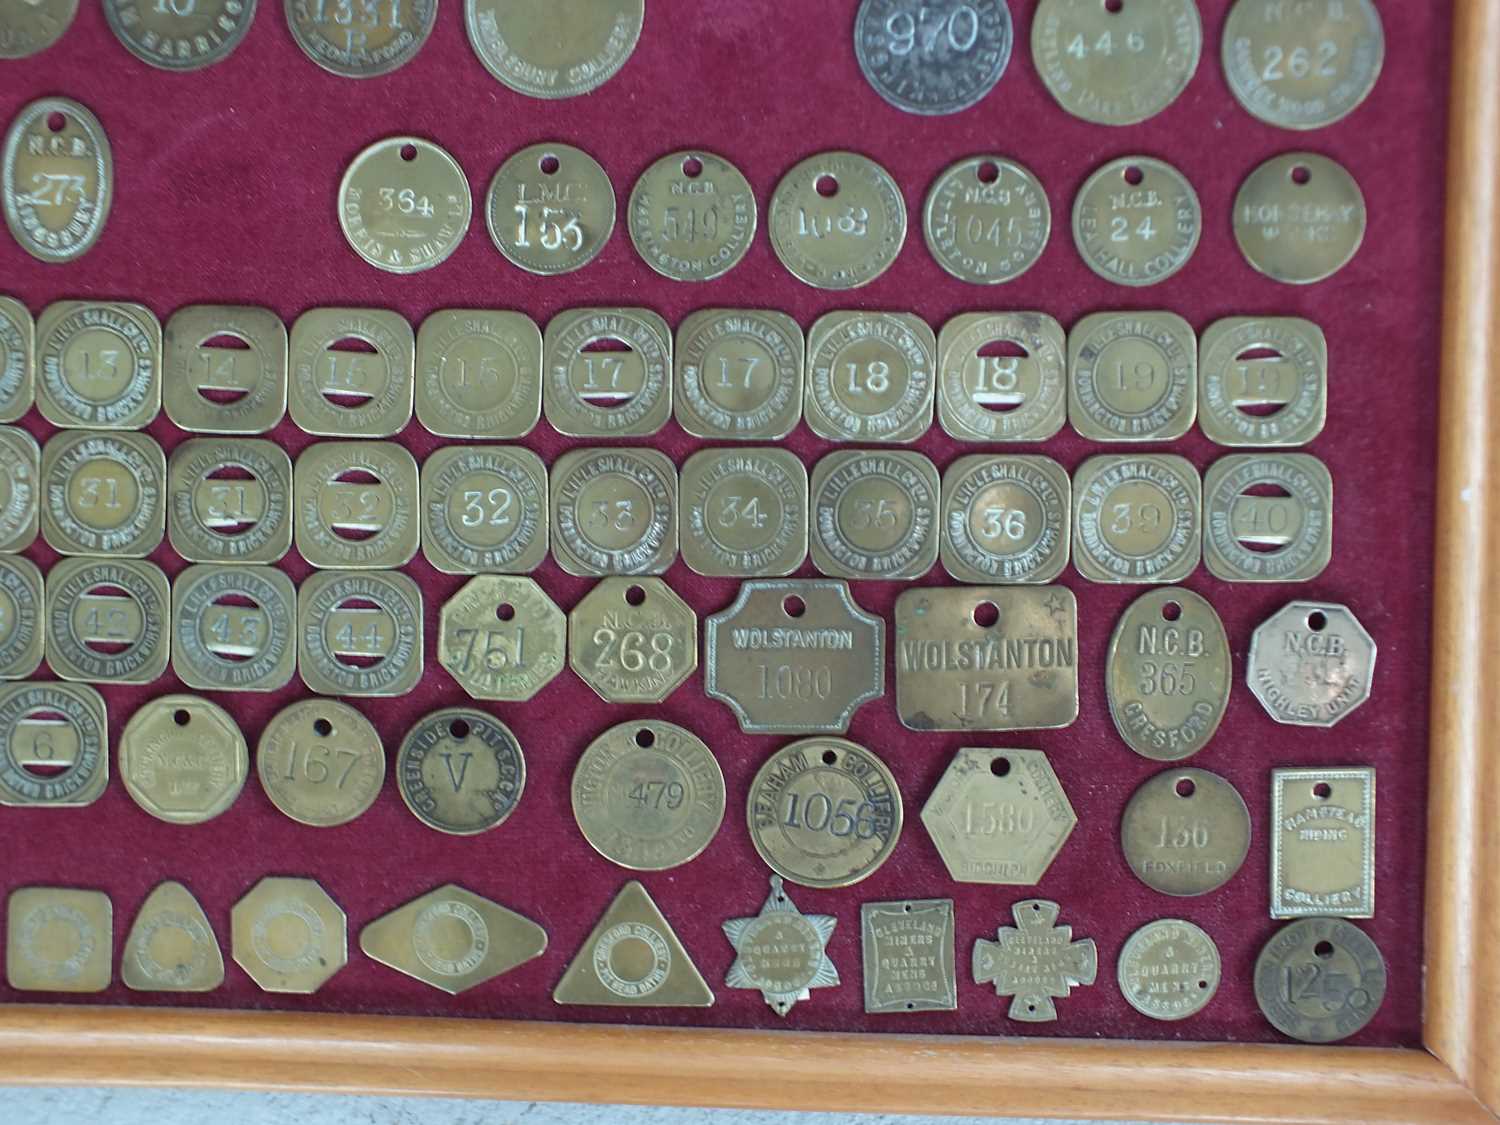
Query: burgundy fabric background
[[225, 183]]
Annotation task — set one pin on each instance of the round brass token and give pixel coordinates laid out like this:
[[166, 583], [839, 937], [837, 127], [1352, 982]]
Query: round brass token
[[351, 372], [1005, 519], [231, 500], [824, 812], [460, 771], [1185, 832], [20, 470], [744, 512], [614, 511], [608, 372], [648, 796], [986, 220], [1320, 980], [837, 220], [871, 376], [692, 216], [98, 365], [554, 48], [360, 41], [103, 493], [44, 761], [107, 620], [550, 209], [404, 205], [1136, 221], [183, 759], [357, 505], [28, 27], [1267, 517], [1169, 969], [484, 509], [321, 762], [17, 358], [1302, 66], [1299, 218], [1002, 377], [874, 514], [502, 638], [1137, 518], [56, 185], [179, 35], [22, 631], [1169, 674], [738, 374], [633, 640], [359, 633], [234, 628], [1262, 381], [224, 369], [478, 374], [933, 57], [1132, 376]]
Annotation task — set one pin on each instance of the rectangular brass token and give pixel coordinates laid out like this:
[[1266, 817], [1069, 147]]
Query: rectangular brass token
[[908, 955], [987, 658], [1323, 842]]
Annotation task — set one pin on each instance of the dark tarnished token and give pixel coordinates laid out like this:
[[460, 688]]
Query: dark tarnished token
[[231, 500], [18, 352], [1299, 218], [908, 956], [744, 512], [351, 372], [54, 745], [554, 48], [484, 509], [1320, 980], [550, 209], [648, 795], [781, 952], [986, 220], [21, 617], [1169, 674], [404, 204], [874, 514], [103, 494], [837, 220], [360, 41], [614, 511], [632, 958], [224, 369], [1311, 664], [1002, 377], [1036, 961], [357, 505], [633, 640], [1132, 376], [1169, 969], [738, 374], [460, 771], [98, 365], [288, 935], [1323, 842], [1267, 517], [824, 812], [931, 58], [56, 186], [180, 35], [1005, 519], [320, 762], [1185, 832], [871, 376], [502, 638], [183, 759], [1262, 380], [107, 620], [58, 939], [171, 946], [359, 632], [1137, 518], [234, 628], [28, 27], [20, 504], [1136, 221], [479, 374], [608, 373], [692, 216]]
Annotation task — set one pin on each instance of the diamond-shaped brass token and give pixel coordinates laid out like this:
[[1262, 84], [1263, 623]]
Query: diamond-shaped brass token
[[1035, 961], [289, 935], [171, 947]]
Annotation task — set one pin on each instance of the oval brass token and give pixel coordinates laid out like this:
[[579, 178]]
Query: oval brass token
[[479, 374], [986, 220], [17, 356], [351, 372], [1299, 218], [179, 35], [550, 209], [1267, 517], [1169, 969], [874, 514], [234, 628], [1137, 518], [1262, 381], [1311, 664], [1185, 832], [54, 745], [744, 512], [20, 470], [183, 759], [103, 493], [1132, 376], [231, 500], [614, 511], [608, 372], [361, 41], [692, 216], [502, 638], [28, 27], [648, 796], [933, 56], [738, 374], [554, 48], [107, 620], [460, 771], [359, 633], [633, 640], [1169, 674], [404, 204], [1302, 66], [1005, 519], [484, 510], [224, 369], [837, 221], [321, 762], [824, 812], [56, 184], [1320, 980], [1002, 377], [1136, 221], [871, 376], [358, 505], [98, 365], [22, 631]]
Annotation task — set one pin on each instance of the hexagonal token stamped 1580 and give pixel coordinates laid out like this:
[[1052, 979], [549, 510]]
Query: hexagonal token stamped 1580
[[502, 638], [1035, 962], [1311, 663]]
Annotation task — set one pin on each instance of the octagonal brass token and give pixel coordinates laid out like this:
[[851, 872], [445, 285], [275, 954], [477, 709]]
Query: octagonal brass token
[[633, 640], [289, 935], [502, 637], [1311, 663]]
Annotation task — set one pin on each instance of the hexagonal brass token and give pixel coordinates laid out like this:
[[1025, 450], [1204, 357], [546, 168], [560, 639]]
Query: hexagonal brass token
[[484, 510], [633, 640], [289, 935], [999, 816], [225, 369], [17, 359], [608, 372], [1311, 664], [58, 939], [20, 472], [357, 505], [351, 372], [98, 365], [502, 638]]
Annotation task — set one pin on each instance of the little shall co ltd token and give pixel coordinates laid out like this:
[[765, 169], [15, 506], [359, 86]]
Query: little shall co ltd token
[[231, 500], [183, 759], [103, 493], [502, 638], [478, 374], [909, 956], [1169, 969], [359, 632], [874, 514], [28, 27], [351, 372], [363, 41], [1299, 218], [404, 205], [1185, 832], [460, 771], [1005, 519], [17, 358], [21, 617], [1035, 962], [357, 505], [554, 48], [98, 365], [633, 640], [20, 503], [781, 952], [692, 216], [935, 57], [234, 628], [1320, 980], [1002, 377], [484, 509], [224, 369], [1136, 221], [107, 620], [56, 185], [1267, 517], [738, 374], [614, 511], [54, 745], [1132, 376], [320, 762], [550, 209], [1323, 842], [744, 512], [1137, 518], [608, 373], [870, 376], [58, 939], [1262, 380], [171, 946], [179, 36], [288, 935], [1311, 664], [837, 220], [986, 220]]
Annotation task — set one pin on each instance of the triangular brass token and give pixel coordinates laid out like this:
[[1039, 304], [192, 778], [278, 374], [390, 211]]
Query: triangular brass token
[[633, 958], [171, 947], [452, 939]]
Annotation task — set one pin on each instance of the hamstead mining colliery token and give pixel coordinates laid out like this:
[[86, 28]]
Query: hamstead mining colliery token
[[56, 185], [1320, 980], [837, 220], [321, 762], [1169, 969], [1323, 842], [1136, 221], [933, 57], [554, 48], [550, 209], [183, 759], [460, 771], [180, 35], [362, 41], [692, 216], [404, 204], [1185, 832]]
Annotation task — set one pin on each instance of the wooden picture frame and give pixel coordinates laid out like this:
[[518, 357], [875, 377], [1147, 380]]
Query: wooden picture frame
[[1455, 1079]]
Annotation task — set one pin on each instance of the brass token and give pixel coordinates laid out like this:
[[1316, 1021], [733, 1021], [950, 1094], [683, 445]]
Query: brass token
[[224, 369], [404, 204], [871, 376], [837, 221], [17, 348], [633, 959], [98, 365], [608, 373], [502, 638], [633, 640], [554, 48], [183, 759], [479, 374], [179, 36], [58, 939], [738, 374], [794, 656], [1311, 664], [484, 509], [20, 467], [1132, 376], [460, 771], [357, 505], [933, 56], [781, 952], [1137, 518], [56, 185], [692, 216], [1002, 377], [351, 372], [1320, 980], [359, 632], [21, 618], [986, 220], [824, 812], [908, 956], [614, 511], [874, 514], [1299, 218], [107, 620], [1262, 380], [1168, 675], [288, 935], [1136, 221], [1005, 519], [1302, 66], [550, 209], [1169, 969], [999, 817], [744, 512], [1323, 842], [1185, 832], [1036, 961], [321, 762], [234, 628], [54, 745], [648, 796], [103, 494], [28, 27], [231, 500], [362, 41], [171, 946], [1267, 517], [1116, 64]]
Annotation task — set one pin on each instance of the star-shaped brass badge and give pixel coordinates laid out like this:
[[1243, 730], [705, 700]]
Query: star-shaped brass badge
[[783, 953]]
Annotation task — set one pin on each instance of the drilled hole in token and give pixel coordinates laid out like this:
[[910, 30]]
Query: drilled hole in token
[[458, 729], [635, 595], [1322, 790], [548, 165], [692, 167], [505, 611], [1133, 175], [1317, 621], [1031, 1007], [906, 908], [181, 717], [994, 381], [910, 1007], [988, 172], [322, 728], [1324, 949], [344, 378], [1301, 174], [644, 738], [1185, 787], [1000, 767], [56, 121], [830, 757], [408, 153], [793, 606], [986, 614], [1203, 984], [1171, 611], [1036, 907], [606, 375], [827, 186]]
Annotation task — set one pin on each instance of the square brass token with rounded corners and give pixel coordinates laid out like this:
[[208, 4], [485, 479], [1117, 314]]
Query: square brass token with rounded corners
[[103, 494], [1132, 376], [484, 509], [358, 505], [986, 658], [234, 628], [98, 365], [1005, 519], [54, 745], [1137, 518], [738, 374], [20, 473], [1267, 517], [608, 373], [479, 374], [1262, 381], [744, 512], [21, 617], [908, 956], [614, 511], [874, 514], [17, 359], [1323, 842], [289, 935], [351, 372], [107, 620], [171, 946], [359, 632], [1002, 376], [225, 369], [231, 500], [871, 376], [58, 939]]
